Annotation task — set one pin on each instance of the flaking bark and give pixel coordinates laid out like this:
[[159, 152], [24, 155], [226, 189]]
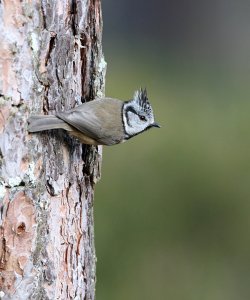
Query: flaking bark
[[50, 59]]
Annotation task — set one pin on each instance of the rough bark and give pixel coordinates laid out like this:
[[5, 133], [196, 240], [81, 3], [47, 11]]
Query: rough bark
[[50, 59]]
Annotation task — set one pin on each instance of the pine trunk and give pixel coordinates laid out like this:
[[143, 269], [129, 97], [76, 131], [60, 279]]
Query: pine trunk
[[50, 60]]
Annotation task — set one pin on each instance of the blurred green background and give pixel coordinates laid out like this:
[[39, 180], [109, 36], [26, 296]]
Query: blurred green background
[[172, 207]]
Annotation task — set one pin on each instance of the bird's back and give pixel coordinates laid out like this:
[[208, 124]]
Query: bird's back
[[100, 119]]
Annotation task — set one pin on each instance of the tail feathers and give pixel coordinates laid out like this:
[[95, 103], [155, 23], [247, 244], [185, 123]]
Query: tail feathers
[[41, 122]]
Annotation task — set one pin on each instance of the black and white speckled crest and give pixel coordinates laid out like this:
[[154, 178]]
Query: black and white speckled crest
[[141, 98]]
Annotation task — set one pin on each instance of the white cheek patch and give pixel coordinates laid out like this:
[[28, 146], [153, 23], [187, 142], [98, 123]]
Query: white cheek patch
[[130, 123]]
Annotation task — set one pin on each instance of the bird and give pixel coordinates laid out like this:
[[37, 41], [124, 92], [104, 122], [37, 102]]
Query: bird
[[103, 121]]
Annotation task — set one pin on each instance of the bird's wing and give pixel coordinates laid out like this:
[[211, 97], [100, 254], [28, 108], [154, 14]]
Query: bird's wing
[[97, 119]]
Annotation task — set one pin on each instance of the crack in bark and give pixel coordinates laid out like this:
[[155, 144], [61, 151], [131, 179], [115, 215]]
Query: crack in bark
[[22, 183], [3, 259], [73, 12], [83, 55], [43, 3], [1, 158], [45, 99], [59, 81], [50, 188], [51, 47], [18, 105], [1, 212]]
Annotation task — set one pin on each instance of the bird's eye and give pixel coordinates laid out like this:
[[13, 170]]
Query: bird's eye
[[142, 118]]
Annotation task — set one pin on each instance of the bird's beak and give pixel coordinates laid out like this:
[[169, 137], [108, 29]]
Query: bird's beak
[[156, 125]]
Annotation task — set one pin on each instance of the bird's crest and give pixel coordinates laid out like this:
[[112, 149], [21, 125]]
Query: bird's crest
[[140, 96]]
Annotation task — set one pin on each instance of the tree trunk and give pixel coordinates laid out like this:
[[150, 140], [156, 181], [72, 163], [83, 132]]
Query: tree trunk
[[50, 59]]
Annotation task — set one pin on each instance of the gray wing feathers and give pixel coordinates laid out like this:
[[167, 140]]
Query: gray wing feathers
[[99, 119], [41, 122], [82, 121]]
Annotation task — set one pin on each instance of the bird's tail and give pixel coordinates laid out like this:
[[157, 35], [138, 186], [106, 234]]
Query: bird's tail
[[46, 122]]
